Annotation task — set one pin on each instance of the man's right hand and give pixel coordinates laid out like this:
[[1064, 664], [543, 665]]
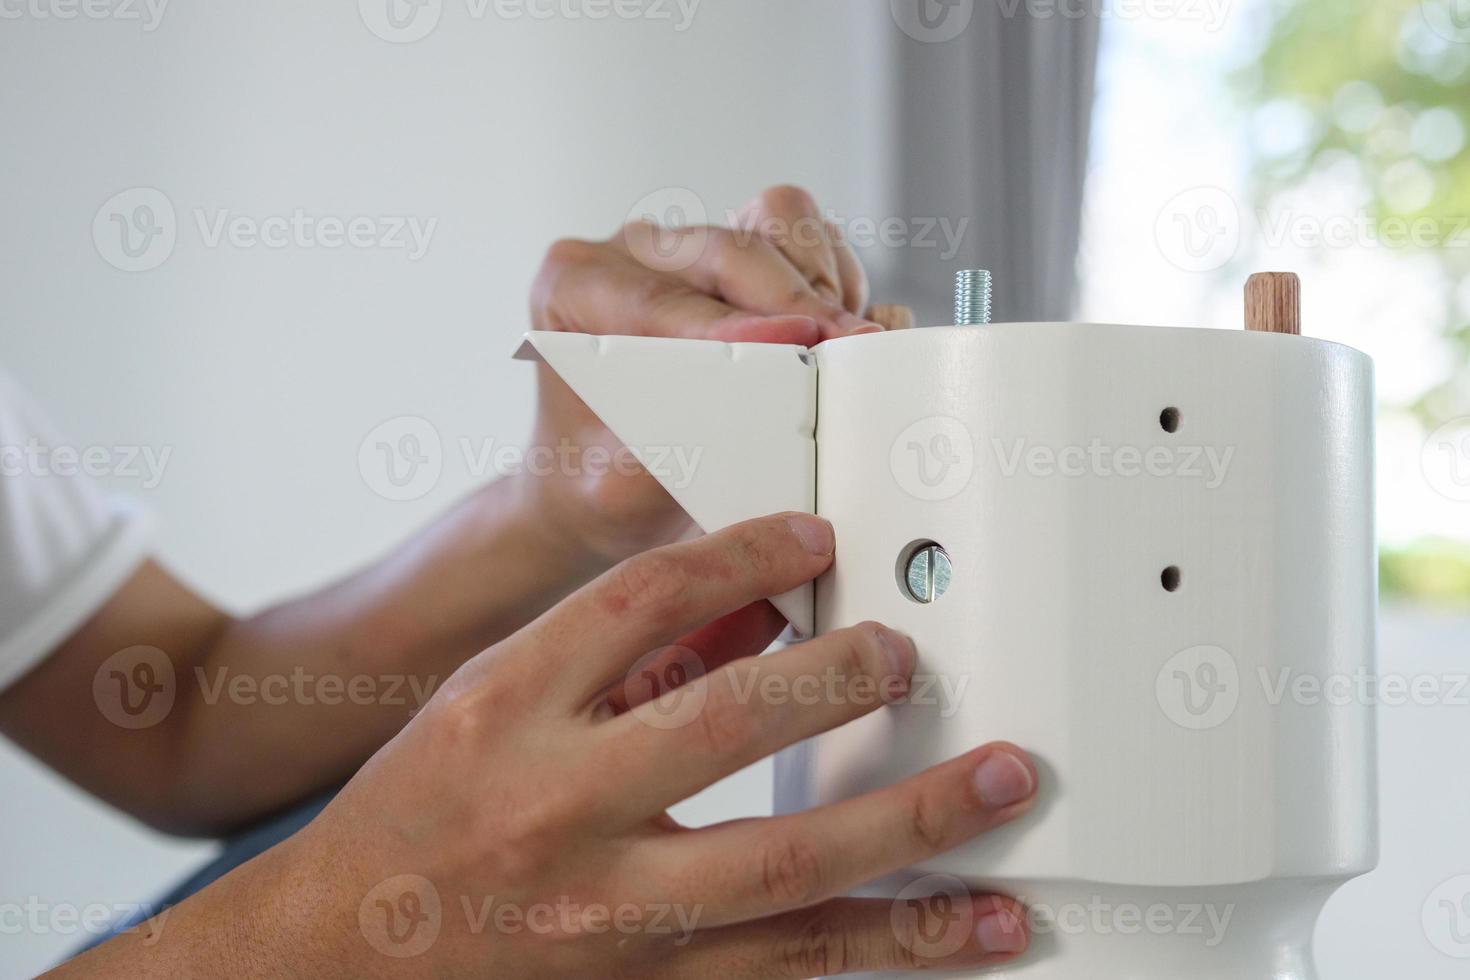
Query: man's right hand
[[517, 827]]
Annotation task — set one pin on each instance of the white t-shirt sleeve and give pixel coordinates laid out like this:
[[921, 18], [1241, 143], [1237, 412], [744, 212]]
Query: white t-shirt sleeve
[[65, 546]]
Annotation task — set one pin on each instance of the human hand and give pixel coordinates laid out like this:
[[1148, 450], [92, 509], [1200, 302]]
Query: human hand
[[518, 825], [783, 274]]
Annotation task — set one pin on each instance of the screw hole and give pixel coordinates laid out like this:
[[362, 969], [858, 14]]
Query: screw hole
[[1170, 579], [1169, 419]]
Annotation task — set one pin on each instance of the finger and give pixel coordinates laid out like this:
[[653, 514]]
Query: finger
[[743, 270], [802, 330], [654, 597], [892, 317], [854, 935], [590, 287], [744, 633], [850, 271], [753, 868], [718, 724], [788, 218]]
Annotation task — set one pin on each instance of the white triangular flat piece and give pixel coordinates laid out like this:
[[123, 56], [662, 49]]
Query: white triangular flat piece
[[728, 429]]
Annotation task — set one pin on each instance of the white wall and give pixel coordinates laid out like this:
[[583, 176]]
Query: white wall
[[261, 370]]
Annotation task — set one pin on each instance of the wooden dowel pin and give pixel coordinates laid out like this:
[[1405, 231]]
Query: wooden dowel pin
[[1273, 302]]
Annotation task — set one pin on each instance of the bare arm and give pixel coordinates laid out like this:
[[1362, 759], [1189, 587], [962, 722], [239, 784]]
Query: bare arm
[[269, 708]]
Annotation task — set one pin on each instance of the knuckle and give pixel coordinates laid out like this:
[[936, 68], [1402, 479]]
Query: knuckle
[[635, 230], [655, 292], [523, 831], [788, 199], [791, 874], [654, 585], [818, 949], [458, 722], [562, 257], [856, 654], [928, 824], [755, 551], [905, 952], [720, 245], [804, 298], [726, 726], [570, 252]]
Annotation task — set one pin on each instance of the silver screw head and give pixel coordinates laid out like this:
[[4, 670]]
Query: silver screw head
[[972, 297], [927, 575]]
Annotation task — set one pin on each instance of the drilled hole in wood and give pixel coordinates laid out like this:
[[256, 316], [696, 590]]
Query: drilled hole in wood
[[1170, 579], [1169, 419]]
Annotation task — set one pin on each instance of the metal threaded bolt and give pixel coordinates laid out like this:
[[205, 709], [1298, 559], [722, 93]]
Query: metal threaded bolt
[[928, 573], [971, 297]]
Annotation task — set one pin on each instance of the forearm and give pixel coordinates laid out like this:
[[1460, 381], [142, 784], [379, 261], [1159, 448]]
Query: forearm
[[272, 917], [267, 709], [297, 697]]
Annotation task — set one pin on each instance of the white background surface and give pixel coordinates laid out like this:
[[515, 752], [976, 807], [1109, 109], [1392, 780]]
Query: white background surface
[[261, 370]]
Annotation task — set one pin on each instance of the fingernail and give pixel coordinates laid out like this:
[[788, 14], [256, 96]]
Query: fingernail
[[1000, 931], [814, 533], [856, 324], [900, 653], [1002, 779]]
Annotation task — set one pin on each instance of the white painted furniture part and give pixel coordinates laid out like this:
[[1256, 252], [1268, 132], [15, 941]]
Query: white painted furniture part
[[1185, 766], [742, 415]]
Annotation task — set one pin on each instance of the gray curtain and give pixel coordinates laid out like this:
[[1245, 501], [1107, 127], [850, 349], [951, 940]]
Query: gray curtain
[[993, 126]]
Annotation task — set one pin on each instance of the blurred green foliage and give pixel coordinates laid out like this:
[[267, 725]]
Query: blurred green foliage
[[1374, 96], [1435, 571]]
